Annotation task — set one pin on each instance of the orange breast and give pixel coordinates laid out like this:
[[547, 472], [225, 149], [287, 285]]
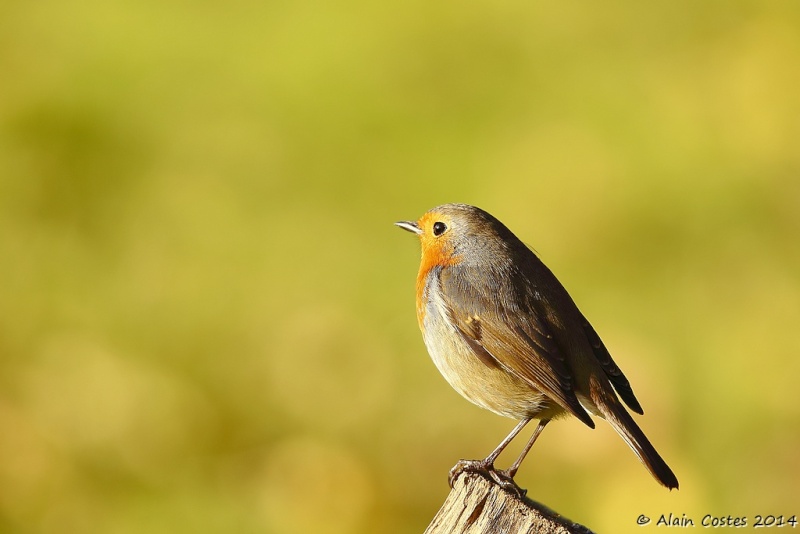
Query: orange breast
[[433, 256]]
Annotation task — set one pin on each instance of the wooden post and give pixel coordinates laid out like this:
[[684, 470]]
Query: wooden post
[[477, 504]]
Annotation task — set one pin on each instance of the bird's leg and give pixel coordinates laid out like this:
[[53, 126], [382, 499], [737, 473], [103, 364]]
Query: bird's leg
[[486, 466], [511, 471]]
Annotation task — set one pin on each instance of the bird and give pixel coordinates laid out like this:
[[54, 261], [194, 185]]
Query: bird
[[507, 336]]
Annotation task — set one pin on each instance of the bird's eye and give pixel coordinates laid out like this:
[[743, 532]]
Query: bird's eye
[[439, 228]]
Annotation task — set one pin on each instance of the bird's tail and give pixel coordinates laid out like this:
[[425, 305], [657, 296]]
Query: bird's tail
[[626, 427]]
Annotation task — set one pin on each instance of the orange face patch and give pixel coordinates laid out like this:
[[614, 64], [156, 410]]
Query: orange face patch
[[437, 251]]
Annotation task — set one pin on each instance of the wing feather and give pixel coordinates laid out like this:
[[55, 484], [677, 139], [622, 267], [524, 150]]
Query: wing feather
[[525, 348], [614, 373]]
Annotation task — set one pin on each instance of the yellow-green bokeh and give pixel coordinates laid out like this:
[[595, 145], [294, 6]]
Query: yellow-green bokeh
[[206, 315]]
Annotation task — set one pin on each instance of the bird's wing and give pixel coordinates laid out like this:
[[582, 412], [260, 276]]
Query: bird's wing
[[516, 339], [614, 373]]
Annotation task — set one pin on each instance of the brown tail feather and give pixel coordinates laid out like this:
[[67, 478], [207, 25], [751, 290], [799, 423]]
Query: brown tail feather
[[626, 427]]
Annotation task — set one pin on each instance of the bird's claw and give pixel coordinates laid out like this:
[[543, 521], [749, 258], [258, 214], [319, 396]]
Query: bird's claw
[[506, 481], [473, 466], [486, 469]]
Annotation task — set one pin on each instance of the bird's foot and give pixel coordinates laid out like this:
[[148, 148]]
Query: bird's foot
[[506, 481], [482, 467], [486, 469]]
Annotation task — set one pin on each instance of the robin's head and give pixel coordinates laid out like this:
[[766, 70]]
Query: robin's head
[[453, 233]]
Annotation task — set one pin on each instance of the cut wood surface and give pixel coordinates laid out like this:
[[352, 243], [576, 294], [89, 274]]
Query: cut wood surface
[[477, 504]]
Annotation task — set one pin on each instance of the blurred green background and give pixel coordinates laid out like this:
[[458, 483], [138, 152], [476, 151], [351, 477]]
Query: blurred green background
[[207, 318]]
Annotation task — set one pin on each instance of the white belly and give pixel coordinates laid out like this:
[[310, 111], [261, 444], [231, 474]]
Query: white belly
[[489, 386]]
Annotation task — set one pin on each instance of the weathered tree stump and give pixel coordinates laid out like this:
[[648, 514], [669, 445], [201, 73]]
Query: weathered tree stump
[[477, 504]]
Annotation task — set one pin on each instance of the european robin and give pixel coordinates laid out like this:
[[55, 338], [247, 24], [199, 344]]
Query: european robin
[[508, 337]]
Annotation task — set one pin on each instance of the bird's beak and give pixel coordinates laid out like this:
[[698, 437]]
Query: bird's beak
[[410, 226]]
